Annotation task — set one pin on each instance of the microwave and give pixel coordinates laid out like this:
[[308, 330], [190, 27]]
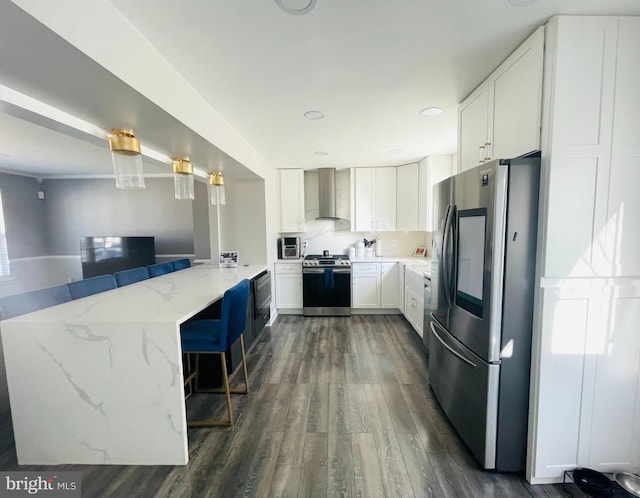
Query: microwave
[[289, 248]]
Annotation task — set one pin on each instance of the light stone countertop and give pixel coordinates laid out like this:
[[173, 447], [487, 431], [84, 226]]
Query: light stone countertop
[[99, 380]]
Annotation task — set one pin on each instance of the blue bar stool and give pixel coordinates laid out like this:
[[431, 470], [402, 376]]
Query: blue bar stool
[[181, 264], [91, 286], [214, 337], [20, 304], [128, 277], [159, 269]]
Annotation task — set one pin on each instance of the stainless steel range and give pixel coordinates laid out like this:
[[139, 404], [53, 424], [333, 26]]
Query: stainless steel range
[[326, 285]]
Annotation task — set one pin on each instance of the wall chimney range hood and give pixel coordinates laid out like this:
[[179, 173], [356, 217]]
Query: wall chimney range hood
[[327, 193]]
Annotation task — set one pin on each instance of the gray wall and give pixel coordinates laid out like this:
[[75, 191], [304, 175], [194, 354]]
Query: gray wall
[[201, 232], [24, 216], [26, 237], [95, 207], [242, 220]]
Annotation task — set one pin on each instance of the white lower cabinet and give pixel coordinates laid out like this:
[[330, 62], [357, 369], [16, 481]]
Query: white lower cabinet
[[366, 285], [288, 285], [414, 300], [377, 285]]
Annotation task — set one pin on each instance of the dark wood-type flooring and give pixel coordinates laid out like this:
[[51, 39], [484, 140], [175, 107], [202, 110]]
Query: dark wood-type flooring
[[338, 407]]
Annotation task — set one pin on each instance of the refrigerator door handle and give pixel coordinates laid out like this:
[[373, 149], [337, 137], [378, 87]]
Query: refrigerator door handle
[[453, 264], [446, 256], [449, 348]]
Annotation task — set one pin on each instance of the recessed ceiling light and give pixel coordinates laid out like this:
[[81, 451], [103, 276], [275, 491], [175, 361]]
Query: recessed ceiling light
[[522, 3], [320, 153], [296, 7], [430, 112], [396, 151], [313, 115]]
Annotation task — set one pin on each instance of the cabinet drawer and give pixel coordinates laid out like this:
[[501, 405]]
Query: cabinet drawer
[[288, 268], [365, 268]]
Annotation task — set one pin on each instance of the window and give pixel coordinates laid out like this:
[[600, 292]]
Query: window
[[4, 254]]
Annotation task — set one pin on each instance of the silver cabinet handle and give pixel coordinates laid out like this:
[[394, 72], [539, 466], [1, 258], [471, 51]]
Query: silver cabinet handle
[[449, 348]]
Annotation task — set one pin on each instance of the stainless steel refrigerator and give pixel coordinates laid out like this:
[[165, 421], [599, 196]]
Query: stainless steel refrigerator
[[479, 338]]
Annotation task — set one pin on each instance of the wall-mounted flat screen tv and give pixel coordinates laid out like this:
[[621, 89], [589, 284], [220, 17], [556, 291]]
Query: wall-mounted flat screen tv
[[109, 254]]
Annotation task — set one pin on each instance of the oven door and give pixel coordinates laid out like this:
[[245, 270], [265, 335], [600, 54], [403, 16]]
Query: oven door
[[326, 291]]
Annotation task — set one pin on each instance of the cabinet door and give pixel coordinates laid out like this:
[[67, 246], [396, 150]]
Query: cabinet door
[[366, 286], [289, 291], [366, 292], [390, 295], [517, 101], [385, 199], [408, 197], [624, 240], [291, 183], [473, 128], [363, 199]]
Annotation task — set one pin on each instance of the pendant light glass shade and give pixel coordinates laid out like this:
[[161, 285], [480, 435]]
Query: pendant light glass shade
[[183, 178], [127, 161], [216, 189]]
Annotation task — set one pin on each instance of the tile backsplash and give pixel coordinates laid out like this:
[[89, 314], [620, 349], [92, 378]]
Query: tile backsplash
[[330, 235]]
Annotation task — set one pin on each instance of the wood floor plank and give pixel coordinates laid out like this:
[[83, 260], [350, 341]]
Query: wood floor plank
[[259, 475], [400, 414], [286, 474], [358, 408], [338, 409], [298, 415], [353, 375], [379, 415], [341, 480], [279, 405], [314, 473], [395, 477], [292, 367], [318, 420], [366, 466], [424, 481]]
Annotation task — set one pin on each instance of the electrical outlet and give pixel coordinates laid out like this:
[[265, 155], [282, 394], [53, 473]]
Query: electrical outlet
[[394, 243]]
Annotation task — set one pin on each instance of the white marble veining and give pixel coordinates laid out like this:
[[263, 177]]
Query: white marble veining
[[99, 380]]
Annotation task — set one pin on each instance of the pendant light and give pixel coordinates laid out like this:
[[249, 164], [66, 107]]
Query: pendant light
[[183, 178], [216, 189], [127, 161]]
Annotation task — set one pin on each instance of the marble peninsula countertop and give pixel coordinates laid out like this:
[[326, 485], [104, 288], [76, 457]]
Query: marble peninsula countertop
[[98, 380]]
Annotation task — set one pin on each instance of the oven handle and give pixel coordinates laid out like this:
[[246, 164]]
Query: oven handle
[[321, 270]]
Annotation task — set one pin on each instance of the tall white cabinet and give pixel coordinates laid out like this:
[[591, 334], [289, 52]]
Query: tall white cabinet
[[585, 395]]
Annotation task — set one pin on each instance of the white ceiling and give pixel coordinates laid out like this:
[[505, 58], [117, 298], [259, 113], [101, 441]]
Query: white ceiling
[[369, 65]]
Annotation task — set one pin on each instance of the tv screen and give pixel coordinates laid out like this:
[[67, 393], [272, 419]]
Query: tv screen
[[102, 255]]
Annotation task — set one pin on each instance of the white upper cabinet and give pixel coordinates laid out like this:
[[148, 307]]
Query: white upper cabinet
[[291, 186], [374, 199], [473, 128], [501, 118], [408, 196]]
